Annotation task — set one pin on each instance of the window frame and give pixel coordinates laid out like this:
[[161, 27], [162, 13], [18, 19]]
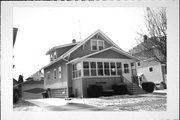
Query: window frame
[[126, 69], [60, 72], [48, 75], [54, 75], [97, 42]]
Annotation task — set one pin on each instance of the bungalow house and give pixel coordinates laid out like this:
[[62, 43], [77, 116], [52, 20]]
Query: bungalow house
[[95, 60], [149, 68]]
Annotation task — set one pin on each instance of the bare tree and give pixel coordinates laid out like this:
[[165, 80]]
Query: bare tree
[[156, 25]]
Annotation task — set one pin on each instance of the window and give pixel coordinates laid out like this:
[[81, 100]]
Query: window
[[119, 68], [97, 45], [59, 72], [132, 64], [51, 57], [93, 68], [86, 68], [106, 68], [101, 45], [150, 69], [100, 68], [113, 68], [138, 63], [126, 68], [77, 70], [55, 74], [94, 45], [55, 55], [48, 75]]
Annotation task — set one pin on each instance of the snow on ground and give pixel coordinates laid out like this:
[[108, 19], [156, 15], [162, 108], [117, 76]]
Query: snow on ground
[[145, 102]]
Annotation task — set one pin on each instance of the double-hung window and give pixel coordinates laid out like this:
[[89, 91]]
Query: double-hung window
[[97, 45], [55, 74], [86, 68], [59, 72], [77, 70], [48, 75], [106, 68], [100, 68], [93, 68]]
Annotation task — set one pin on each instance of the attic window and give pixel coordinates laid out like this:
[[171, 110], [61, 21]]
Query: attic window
[[97, 45], [55, 55], [150, 69]]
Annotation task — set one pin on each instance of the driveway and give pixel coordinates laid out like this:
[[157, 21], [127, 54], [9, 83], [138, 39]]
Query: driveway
[[53, 104]]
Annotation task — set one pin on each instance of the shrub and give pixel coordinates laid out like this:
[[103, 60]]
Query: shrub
[[108, 93], [94, 90], [148, 86], [120, 89]]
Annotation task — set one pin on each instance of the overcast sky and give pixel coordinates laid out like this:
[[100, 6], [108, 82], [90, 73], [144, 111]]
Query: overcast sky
[[40, 29]]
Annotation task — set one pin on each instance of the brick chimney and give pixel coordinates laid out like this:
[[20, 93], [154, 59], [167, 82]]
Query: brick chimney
[[74, 41]]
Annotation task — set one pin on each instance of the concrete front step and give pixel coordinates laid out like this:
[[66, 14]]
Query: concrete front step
[[135, 89]]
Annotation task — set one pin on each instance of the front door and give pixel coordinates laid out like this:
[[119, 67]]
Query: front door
[[126, 71]]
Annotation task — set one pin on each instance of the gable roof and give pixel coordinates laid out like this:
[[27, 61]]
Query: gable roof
[[88, 38], [60, 46], [79, 44], [109, 48]]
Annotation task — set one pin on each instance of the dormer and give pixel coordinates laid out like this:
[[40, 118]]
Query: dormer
[[53, 55]]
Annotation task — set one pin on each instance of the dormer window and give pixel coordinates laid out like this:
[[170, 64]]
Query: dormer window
[[97, 45], [55, 55], [51, 57]]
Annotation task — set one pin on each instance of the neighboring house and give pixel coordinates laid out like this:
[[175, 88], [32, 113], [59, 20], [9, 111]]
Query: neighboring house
[[33, 87], [149, 68], [95, 60]]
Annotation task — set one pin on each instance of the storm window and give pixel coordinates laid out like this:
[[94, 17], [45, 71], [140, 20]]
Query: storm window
[[119, 68], [100, 68]]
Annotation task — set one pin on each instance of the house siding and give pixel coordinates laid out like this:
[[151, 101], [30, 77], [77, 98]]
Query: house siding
[[109, 54], [56, 83], [77, 87], [154, 76], [61, 51], [85, 50], [106, 82]]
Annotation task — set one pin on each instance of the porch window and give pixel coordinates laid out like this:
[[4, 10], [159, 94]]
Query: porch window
[[100, 68], [126, 68], [113, 68], [55, 74], [119, 68], [93, 68], [77, 70], [106, 68], [59, 72], [86, 68]]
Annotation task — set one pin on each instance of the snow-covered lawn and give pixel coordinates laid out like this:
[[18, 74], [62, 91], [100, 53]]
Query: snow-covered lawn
[[145, 102], [23, 105]]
